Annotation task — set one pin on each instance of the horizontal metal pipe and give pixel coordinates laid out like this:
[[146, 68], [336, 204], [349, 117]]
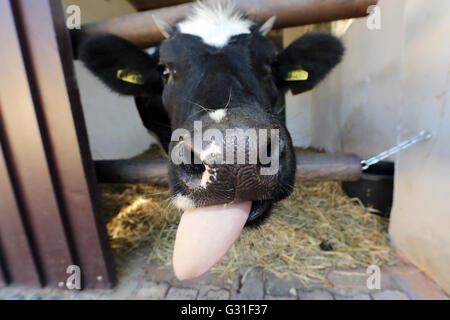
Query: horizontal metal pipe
[[320, 167], [140, 28]]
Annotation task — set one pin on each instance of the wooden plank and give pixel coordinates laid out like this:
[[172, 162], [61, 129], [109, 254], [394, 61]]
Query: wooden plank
[[47, 41], [141, 29], [3, 281], [142, 5], [27, 153], [16, 254], [316, 167]]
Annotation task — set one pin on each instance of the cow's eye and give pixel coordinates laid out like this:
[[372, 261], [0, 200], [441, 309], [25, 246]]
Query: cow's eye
[[168, 72]]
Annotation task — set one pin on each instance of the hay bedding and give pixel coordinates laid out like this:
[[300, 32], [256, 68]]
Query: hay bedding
[[317, 228]]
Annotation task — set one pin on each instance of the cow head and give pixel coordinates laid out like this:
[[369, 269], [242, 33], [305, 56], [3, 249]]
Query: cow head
[[217, 71]]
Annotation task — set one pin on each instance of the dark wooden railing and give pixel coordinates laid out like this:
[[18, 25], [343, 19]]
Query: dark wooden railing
[[50, 214], [140, 28]]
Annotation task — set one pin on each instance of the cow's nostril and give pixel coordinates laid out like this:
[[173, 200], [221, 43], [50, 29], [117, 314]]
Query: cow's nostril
[[192, 172], [195, 170]]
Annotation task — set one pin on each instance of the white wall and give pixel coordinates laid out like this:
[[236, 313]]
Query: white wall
[[420, 223], [114, 127], [391, 84]]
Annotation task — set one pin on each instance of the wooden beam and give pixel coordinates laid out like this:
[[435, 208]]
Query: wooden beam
[[140, 28], [320, 167], [143, 5]]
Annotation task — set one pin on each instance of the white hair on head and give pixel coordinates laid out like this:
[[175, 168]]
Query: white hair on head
[[218, 115], [215, 21]]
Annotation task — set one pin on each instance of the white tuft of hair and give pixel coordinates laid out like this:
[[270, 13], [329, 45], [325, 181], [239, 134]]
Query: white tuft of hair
[[183, 202], [215, 22], [218, 115]]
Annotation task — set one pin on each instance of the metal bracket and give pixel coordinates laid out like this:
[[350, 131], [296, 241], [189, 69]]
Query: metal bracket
[[423, 135]]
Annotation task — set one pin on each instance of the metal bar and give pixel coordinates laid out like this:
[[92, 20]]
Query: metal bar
[[27, 152], [16, 254], [49, 49], [320, 167], [140, 28], [423, 135]]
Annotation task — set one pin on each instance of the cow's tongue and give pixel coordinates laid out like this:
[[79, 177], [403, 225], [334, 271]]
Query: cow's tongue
[[205, 235]]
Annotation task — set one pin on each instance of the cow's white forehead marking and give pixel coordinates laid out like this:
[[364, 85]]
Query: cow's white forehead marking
[[218, 115], [183, 202], [215, 21]]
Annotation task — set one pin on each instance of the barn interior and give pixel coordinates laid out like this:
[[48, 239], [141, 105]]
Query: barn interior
[[391, 85], [321, 226]]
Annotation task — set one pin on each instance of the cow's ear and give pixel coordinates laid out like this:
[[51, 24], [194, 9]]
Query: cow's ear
[[122, 66], [307, 61]]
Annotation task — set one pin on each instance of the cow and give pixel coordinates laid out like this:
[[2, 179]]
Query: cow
[[216, 68]]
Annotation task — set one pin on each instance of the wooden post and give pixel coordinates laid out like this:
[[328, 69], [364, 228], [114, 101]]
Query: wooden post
[[26, 144], [320, 167], [15, 251], [328, 167], [50, 215]]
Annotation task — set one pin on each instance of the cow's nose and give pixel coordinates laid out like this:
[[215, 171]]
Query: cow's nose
[[227, 171]]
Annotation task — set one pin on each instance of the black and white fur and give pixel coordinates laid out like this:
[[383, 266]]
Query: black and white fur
[[219, 67]]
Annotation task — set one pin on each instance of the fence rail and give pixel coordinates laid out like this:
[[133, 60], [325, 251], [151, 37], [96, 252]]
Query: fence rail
[[50, 217]]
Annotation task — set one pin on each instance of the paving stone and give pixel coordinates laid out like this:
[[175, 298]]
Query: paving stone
[[280, 298], [206, 279], [208, 292], [155, 273], [92, 296], [253, 286], [274, 286], [181, 294], [360, 296], [397, 282], [125, 290], [356, 279], [152, 291], [416, 284], [390, 295], [315, 295]]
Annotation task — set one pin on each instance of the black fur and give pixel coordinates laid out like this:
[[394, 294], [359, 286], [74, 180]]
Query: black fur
[[105, 54], [155, 118], [317, 53], [246, 77]]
